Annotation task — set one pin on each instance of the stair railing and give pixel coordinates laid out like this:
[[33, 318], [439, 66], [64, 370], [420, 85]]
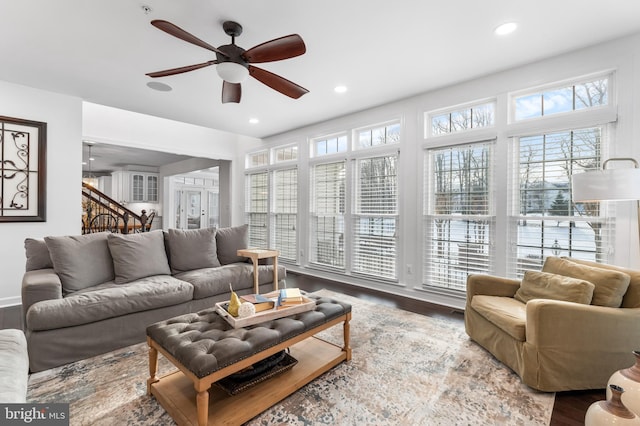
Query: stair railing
[[103, 213]]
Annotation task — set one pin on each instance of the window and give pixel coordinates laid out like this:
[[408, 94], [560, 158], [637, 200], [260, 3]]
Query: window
[[458, 120], [375, 216], [329, 145], [285, 212], [546, 221], [571, 97], [257, 159], [458, 214], [257, 204], [287, 153], [327, 214], [383, 135]]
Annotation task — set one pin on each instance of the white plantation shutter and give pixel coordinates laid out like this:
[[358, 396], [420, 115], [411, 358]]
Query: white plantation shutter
[[256, 206], [375, 216], [286, 212], [327, 214], [547, 221], [459, 218]]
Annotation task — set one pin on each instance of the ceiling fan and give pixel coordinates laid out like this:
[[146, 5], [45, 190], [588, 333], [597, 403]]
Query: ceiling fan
[[234, 63]]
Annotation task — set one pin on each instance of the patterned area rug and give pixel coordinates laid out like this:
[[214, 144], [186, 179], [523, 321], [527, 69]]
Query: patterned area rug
[[407, 369]]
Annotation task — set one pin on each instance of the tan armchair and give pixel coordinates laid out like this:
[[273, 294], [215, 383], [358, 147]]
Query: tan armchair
[[554, 345]]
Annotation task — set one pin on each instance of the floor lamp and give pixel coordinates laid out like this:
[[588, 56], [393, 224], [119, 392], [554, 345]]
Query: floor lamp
[[608, 184]]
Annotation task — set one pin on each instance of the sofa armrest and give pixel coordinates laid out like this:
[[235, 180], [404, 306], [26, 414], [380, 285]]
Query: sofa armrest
[[491, 286], [589, 328], [38, 285]]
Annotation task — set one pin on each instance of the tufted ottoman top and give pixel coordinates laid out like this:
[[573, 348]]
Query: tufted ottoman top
[[204, 342]]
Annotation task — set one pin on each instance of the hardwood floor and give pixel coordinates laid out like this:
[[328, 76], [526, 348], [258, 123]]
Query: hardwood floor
[[569, 408]]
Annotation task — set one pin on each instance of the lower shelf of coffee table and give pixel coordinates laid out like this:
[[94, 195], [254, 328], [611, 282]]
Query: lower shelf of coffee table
[[176, 394]]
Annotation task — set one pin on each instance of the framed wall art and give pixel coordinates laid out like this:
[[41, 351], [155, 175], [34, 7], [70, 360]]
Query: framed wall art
[[22, 170]]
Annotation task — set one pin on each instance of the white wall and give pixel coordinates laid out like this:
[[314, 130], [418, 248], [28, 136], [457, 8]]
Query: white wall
[[622, 55], [63, 115], [119, 127]]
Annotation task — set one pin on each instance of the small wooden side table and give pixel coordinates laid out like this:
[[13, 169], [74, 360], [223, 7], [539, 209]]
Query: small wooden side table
[[255, 254]]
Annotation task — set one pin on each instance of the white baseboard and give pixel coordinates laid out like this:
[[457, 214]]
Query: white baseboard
[[10, 301]]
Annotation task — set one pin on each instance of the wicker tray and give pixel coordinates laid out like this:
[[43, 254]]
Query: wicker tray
[[268, 315], [265, 369]]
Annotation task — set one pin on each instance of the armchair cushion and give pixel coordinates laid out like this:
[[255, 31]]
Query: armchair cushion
[[138, 256], [610, 285], [543, 285], [506, 313]]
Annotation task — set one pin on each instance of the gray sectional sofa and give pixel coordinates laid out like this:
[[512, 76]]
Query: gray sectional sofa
[[89, 294]]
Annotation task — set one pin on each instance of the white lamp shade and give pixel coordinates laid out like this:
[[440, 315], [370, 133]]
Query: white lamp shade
[[232, 72], [609, 184]]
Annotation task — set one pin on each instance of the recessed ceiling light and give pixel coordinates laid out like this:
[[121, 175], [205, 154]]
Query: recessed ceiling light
[[92, 159], [254, 121], [506, 28], [84, 163], [340, 89], [160, 87]]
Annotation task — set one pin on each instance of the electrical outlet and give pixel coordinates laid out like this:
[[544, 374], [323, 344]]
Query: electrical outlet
[[409, 269]]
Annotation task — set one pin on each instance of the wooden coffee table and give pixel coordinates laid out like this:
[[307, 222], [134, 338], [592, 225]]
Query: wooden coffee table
[[189, 399]]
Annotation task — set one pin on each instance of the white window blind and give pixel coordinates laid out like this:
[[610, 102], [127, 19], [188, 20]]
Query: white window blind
[[327, 214], [257, 208], [547, 221], [375, 216], [459, 219], [286, 212]]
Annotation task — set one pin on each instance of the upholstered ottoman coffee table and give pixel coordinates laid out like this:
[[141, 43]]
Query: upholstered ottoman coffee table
[[206, 349]]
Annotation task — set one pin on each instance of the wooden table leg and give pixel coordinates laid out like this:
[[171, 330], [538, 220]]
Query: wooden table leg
[[202, 402], [275, 273], [153, 368], [254, 260], [346, 332]]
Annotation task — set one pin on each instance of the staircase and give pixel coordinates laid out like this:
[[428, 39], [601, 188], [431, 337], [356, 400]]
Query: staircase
[[102, 213]]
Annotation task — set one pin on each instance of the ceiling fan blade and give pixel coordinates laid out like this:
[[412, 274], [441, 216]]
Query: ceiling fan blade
[[278, 83], [276, 50], [231, 92], [180, 70], [178, 32]]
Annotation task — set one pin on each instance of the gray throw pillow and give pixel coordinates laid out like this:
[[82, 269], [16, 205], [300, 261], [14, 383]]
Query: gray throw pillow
[[37, 255], [81, 261], [191, 249], [137, 256], [229, 241]]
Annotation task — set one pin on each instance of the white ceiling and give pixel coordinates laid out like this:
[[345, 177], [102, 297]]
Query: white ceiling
[[382, 50]]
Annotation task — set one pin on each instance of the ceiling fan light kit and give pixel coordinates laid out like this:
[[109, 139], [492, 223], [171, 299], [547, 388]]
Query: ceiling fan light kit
[[233, 63], [232, 72]]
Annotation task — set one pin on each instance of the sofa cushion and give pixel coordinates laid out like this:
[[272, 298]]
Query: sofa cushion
[[229, 241], [631, 298], [138, 256], [506, 313], [543, 285], [81, 261], [108, 300], [214, 281], [191, 249], [37, 255], [610, 285]]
